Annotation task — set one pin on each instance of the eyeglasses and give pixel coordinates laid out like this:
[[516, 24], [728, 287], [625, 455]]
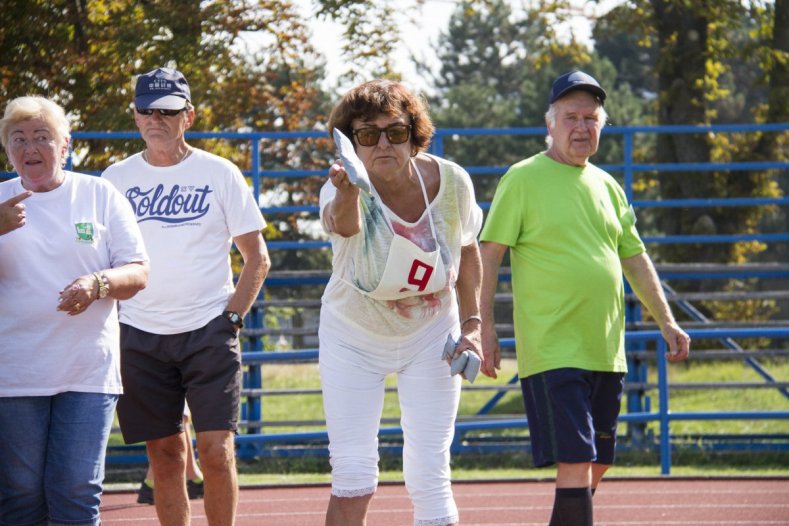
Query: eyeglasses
[[39, 141], [395, 134], [163, 113]]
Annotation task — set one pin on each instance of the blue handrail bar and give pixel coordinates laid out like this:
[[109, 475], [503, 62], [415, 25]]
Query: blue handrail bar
[[676, 128], [723, 238], [699, 203], [294, 173], [666, 273], [729, 343], [663, 203], [259, 171], [664, 416]]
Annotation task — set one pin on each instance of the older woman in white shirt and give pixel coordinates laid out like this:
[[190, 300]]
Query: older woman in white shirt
[[69, 248]]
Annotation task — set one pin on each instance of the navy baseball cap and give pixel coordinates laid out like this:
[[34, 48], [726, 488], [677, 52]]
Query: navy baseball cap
[[575, 80], [162, 89]]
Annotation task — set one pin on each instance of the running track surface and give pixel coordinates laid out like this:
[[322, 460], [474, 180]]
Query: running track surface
[[618, 502]]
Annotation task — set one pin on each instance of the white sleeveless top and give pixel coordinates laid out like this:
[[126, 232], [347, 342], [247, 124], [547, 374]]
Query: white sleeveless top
[[396, 276]]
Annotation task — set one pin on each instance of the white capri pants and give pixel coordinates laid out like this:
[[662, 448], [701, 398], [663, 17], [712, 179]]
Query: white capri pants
[[353, 366]]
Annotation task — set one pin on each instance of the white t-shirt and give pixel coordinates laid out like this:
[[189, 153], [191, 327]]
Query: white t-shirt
[[189, 214], [359, 261], [81, 227]]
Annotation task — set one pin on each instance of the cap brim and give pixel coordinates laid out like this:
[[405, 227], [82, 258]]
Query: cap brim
[[594, 90], [159, 102]]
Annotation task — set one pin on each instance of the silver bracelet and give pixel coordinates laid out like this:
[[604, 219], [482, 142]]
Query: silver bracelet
[[474, 317]]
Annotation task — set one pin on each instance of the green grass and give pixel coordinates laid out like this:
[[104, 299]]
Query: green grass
[[761, 399], [688, 459], [309, 406]]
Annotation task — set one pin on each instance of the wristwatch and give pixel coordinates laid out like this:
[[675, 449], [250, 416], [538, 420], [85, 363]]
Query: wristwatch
[[103, 283], [234, 318]]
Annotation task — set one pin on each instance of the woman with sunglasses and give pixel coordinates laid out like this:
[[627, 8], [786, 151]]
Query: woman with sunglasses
[[406, 276], [74, 251]]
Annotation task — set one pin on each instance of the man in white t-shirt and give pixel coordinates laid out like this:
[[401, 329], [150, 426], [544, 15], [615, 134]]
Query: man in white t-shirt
[[179, 336]]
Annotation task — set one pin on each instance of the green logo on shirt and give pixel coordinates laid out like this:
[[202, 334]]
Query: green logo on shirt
[[84, 232]]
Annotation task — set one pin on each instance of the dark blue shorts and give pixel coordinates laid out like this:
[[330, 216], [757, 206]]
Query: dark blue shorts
[[160, 371], [572, 415]]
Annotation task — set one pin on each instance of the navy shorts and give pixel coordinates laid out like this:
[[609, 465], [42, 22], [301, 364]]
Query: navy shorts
[[161, 371], [572, 415]]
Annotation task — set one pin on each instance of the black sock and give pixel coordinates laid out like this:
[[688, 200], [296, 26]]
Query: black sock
[[572, 507]]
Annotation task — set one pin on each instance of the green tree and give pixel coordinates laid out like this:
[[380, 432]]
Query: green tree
[[85, 54], [371, 35], [498, 64], [709, 62], [490, 57], [633, 57]]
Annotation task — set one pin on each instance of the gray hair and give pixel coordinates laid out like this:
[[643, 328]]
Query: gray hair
[[550, 117], [29, 108]]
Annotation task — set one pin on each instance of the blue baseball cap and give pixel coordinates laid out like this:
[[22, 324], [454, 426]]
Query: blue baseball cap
[[162, 89], [575, 80]]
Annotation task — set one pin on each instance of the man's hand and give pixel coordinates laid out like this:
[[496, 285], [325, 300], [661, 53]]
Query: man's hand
[[491, 353], [678, 343]]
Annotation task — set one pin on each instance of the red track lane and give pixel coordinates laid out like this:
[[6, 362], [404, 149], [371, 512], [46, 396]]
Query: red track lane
[[618, 502]]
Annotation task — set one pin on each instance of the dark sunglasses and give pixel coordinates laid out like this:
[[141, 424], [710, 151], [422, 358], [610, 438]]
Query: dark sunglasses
[[395, 134], [164, 113]]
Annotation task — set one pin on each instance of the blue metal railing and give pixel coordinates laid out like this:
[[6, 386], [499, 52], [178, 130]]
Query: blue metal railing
[[253, 444], [628, 168], [665, 416]]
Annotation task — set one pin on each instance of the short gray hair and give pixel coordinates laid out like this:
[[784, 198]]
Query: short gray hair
[[550, 117], [29, 108]]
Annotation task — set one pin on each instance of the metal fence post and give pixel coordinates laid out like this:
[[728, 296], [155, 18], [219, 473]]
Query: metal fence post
[[665, 436]]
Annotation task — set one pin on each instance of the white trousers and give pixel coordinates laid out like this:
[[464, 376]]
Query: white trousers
[[353, 366]]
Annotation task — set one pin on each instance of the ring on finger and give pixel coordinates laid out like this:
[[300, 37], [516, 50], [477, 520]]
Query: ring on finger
[[77, 305]]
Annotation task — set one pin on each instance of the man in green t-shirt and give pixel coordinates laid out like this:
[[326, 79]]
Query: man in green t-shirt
[[571, 234]]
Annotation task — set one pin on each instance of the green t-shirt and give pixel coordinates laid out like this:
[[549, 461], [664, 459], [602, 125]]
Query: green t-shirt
[[567, 228]]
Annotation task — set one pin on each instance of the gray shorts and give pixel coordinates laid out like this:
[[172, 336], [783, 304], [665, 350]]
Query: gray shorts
[[160, 371]]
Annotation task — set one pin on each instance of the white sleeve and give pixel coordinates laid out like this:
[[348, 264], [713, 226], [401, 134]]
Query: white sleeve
[[242, 213], [470, 211], [328, 191], [125, 243]]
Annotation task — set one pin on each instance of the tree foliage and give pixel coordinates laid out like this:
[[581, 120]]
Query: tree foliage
[[85, 54], [708, 61], [371, 36], [498, 64], [251, 67]]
